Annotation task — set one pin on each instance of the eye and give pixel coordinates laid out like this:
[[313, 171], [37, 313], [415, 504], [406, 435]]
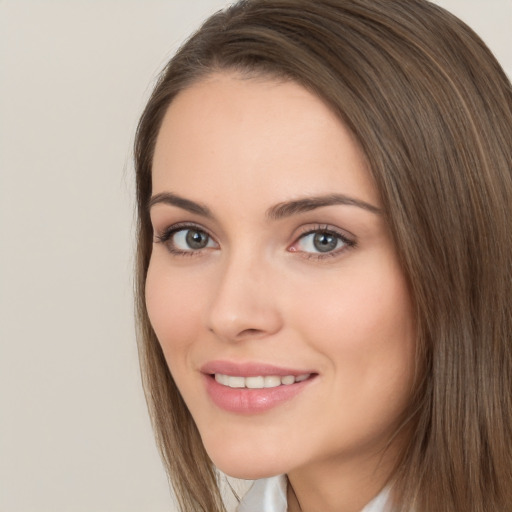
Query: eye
[[321, 242], [190, 240], [183, 239]]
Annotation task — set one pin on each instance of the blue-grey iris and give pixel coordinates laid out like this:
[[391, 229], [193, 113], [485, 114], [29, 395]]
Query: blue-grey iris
[[196, 239], [325, 242]]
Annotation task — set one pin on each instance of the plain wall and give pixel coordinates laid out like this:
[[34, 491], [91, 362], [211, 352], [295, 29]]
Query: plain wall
[[74, 76]]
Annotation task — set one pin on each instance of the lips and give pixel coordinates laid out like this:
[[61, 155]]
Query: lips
[[251, 388]]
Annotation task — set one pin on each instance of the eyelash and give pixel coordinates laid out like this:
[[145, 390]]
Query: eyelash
[[328, 230], [166, 235]]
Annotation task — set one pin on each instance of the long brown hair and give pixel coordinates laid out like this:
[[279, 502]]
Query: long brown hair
[[432, 110]]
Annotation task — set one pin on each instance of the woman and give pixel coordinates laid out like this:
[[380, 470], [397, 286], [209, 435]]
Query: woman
[[324, 271]]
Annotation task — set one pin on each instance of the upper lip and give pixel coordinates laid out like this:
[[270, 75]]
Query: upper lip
[[250, 369]]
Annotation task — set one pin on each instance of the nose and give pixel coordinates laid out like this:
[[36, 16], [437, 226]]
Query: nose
[[244, 302]]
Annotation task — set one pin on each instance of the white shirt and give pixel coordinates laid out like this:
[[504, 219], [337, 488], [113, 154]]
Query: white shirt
[[269, 495]]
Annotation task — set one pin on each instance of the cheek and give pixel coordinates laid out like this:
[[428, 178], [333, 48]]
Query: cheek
[[364, 328], [363, 323], [173, 307]]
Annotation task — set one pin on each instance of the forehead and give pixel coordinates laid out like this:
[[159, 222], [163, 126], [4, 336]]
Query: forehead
[[248, 134]]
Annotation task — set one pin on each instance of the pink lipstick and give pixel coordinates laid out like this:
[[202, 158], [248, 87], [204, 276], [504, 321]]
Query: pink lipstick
[[251, 388]]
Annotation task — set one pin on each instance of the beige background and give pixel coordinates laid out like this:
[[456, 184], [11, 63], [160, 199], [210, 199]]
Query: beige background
[[74, 75]]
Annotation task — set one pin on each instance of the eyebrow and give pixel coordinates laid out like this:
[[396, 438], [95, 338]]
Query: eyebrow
[[307, 204], [276, 212], [180, 202]]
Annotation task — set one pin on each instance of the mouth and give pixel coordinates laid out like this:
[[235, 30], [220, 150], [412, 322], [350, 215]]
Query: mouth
[[258, 381], [253, 388]]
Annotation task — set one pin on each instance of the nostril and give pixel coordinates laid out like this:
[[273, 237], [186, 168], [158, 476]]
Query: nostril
[[250, 331]]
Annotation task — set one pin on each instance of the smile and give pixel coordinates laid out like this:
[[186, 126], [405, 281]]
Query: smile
[[253, 388], [259, 381]]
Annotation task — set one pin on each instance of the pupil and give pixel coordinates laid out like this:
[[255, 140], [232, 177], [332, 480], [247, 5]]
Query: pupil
[[324, 242], [196, 239]]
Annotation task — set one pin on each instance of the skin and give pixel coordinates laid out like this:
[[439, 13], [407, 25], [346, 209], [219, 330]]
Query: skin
[[260, 290]]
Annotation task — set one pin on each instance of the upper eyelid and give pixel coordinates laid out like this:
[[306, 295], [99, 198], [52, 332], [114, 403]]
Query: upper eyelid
[[349, 240], [326, 228], [303, 231], [178, 226], [327, 231], [165, 238], [348, 244]]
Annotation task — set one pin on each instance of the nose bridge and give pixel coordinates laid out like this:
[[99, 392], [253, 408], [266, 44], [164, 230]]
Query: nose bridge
[[243, 304]]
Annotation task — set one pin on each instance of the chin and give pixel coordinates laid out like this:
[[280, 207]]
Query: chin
[[246, 462]]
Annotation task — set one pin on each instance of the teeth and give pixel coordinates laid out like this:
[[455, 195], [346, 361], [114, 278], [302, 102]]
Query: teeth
[[290, 379], [254, 382], [271, 382], [258, 382], [236, 382]]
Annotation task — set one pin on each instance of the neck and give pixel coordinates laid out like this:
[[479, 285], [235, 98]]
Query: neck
[[338, 486]]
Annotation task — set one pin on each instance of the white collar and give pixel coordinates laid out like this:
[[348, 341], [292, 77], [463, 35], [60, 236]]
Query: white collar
[[269, 495], [265, 495]]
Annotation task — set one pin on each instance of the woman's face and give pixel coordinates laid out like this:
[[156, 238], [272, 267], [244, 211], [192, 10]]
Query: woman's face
[[274, 286]]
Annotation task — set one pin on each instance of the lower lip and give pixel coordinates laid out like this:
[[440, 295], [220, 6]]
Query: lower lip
[[251, 401]]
